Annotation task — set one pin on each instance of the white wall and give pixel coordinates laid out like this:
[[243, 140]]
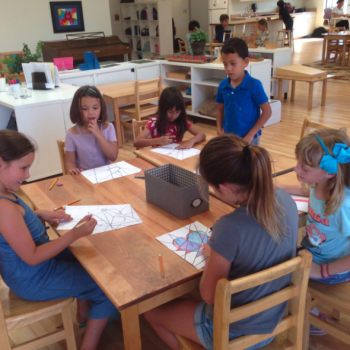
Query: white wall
[[319, 4], [28, 21]]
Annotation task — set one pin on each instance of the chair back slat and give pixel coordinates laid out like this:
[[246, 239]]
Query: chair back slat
[[61, 144], [309, 124]]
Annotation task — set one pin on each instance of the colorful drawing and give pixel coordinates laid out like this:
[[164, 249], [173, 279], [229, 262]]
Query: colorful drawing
[[188, 243], [68, 17]]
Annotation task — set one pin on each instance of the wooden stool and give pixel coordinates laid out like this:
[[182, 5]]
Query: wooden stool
[[281, 36]]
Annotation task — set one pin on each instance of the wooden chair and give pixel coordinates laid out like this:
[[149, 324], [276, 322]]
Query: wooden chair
[[136, 127], [61, 151], [183, 46], [213, 46], [337, 296], [293, 323], [143, 106], [308, 124], [16, 312], [333, 46]]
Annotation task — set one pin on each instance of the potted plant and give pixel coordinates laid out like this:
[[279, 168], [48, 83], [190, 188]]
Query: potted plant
[[13, 63], [198, 40]]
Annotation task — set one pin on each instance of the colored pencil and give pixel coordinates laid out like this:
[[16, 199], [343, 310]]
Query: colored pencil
[[63, 206], [82, 223], [53, 184], [139, 177], [161, 265], [302, 200]]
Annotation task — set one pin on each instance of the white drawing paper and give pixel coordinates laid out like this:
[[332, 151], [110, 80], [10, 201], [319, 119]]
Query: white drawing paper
[[302, 203], [109, 217], [110, 172], [188, 243], [181, 154]]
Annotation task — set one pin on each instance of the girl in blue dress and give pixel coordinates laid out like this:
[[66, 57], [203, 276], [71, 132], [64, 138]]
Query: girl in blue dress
[[34, 267]]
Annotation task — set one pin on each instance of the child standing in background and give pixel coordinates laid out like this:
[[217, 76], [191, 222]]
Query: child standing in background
[[240, 97], [262, 38], [170, 124], [221, 29], [260, 234], [92, 142], [192, 28], [31, 265]]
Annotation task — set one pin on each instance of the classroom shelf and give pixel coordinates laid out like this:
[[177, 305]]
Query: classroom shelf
[[210, 82], [178, 80]]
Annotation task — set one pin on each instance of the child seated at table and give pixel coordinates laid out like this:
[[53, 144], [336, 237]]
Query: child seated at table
[[31, 265], [263, 38], [222, 29], [92, 142], [170, 123], [260, 234]]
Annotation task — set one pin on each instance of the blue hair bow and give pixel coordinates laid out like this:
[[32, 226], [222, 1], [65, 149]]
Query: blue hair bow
[[341, 155]]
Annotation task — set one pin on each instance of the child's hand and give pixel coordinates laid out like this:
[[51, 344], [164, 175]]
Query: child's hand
[[86, 229], [75, 171], [53, 217], [220, 132], [186, 144], [206, 251], [166, 140], [94, 128], [315, 271], [249, 138]]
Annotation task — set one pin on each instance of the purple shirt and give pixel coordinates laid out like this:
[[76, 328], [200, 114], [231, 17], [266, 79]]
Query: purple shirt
[[88, 151]]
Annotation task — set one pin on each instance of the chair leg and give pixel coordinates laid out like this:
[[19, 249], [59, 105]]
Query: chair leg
[[68, 327], [306, 330], [336, 314]]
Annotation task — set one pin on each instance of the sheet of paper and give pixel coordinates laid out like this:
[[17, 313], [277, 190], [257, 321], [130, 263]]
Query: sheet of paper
[[63, 63], [29, 68], [188, 242], [171, 151], [302, 203], [109, 217], [110, 172]]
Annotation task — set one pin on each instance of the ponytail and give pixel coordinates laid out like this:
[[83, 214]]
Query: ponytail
[[230, 159]]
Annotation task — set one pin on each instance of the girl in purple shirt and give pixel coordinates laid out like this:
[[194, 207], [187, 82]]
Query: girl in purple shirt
[[92, 142]]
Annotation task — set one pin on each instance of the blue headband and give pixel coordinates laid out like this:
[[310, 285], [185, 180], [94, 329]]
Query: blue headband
[[330, 163], [90, 90]]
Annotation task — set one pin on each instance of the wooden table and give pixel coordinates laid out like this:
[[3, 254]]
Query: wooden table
[[118, 94], [124, 262], [344, 36], [280, 79]]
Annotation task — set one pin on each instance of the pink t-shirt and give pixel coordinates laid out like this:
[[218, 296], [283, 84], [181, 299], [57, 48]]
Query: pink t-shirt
[[171, 129], [89, 154]]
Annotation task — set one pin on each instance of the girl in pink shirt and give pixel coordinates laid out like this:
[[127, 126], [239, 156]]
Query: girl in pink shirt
[[92, 142], [170, 125]]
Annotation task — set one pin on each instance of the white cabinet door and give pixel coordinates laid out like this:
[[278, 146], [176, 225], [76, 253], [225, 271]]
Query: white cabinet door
[[262, 72], [118, 76], [79, 81], [66, 115], [147, 72]]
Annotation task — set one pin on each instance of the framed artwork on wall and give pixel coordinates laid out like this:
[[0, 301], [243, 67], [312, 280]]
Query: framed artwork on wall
[[67, 16]]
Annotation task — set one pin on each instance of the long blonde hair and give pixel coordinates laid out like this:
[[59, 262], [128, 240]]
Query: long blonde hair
[[310, 152], [230, 159]]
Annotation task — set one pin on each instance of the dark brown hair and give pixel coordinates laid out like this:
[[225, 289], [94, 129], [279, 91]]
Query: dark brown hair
[[75, 109], [224, 17], [14, 145], [263, 22], [228, 159], [235, 45], [171, 97]]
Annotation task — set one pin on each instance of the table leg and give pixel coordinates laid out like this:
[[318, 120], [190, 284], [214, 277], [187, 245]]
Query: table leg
[[324, 49], [293, 91], [131, 328], [279, 97], [117, 124], [344, 53], [324, 92], [311, 92]]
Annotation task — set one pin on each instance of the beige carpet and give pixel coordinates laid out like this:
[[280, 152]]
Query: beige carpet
[[341, 74]]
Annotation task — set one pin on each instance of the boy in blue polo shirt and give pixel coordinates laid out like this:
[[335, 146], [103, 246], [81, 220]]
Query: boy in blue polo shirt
[[240, 97]]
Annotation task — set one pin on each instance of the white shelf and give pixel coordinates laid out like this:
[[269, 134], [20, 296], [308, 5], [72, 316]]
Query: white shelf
[[210, 82], [178, 80], [184, 94]]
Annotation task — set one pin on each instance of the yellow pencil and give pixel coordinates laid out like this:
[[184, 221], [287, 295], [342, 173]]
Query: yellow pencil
[[53, 184], [82, 223], [161, 265], [64, 206]]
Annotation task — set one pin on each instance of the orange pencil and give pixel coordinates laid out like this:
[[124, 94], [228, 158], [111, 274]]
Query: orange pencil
[[63, 206], [53, 184], [161, 265]]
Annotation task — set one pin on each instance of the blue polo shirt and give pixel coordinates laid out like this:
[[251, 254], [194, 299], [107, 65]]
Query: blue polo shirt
[[241, 105]]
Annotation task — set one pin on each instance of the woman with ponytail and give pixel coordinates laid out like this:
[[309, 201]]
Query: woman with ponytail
[[260, 234]]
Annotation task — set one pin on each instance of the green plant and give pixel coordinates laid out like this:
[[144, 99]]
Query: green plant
[[199, 36], [14, 64]]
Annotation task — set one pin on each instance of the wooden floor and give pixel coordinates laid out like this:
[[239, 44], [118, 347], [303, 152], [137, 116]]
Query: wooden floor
[[280, 138]]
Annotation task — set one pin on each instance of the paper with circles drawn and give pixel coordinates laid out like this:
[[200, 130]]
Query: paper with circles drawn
[[171, 151], [188, 242], [110, 172], [109, 217]]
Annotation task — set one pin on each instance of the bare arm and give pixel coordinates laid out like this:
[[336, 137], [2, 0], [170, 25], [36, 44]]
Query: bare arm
[[216, 267], [220, 119], [294, 189], [143, 140], [335, 268], [19, 238], [71, 163], [198, 137], [264, 117]]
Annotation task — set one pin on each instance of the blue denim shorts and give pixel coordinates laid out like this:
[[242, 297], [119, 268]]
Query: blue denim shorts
[[256, 140], [339, 278], [205, 330]]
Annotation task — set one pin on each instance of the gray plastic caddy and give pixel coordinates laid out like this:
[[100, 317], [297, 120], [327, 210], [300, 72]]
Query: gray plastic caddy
[[176, 191]]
